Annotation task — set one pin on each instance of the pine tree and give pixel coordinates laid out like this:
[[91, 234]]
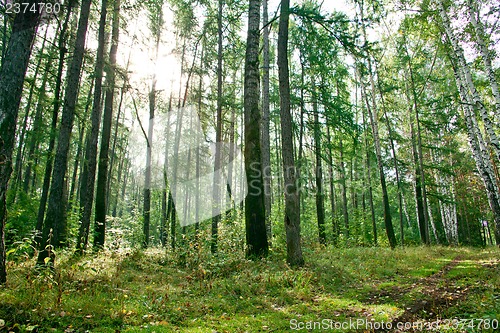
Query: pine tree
[[290, 172], [12, 73], [255, 216]]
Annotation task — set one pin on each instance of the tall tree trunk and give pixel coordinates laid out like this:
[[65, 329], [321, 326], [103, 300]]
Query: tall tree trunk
[[343, 183], [12, 75], [373, 113], [216, 201], [421, 212], [335, 227], [90, 163], [55, 221], [115, 137], [320, 201], [420, 187], [395, 161], [230, 167], [266, 141], [198, 150], [255, 212], [299, 152], [53, 126], [378, 152], [280, 181], [102, 174], [166, 204], [147, 177], [472, 102], [158, 16], [481, 156], [369, 176], [78, 157], [290, 172]]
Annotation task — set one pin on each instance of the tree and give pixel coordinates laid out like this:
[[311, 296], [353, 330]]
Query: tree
[[255, 213], [12, 73], [157, 21], [373, 114], [218, 135], [55, 222], [88, 182], [53, 125], [266, 140], [290, 172], [473, 104], [320, 204], [486, 53], [102, 175]]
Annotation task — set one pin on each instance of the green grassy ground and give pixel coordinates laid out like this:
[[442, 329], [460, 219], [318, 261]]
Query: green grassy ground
[[153, 292]]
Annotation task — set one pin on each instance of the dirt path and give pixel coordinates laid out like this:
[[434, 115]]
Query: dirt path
[[436, 294]]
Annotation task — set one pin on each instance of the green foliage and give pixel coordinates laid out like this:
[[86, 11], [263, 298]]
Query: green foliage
[[21, 218]]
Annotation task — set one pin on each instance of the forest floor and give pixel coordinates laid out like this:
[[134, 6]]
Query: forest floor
[[435, 289]]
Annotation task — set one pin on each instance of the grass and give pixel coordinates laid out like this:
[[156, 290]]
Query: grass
[[151, 291]]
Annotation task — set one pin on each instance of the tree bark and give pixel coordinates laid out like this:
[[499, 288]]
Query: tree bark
[[421, 212], [55, 221], [472, 102], [90, 162], [255, 212], [102, 174], [290, 172], [12, 74], [369, 177], [395, 160], [335, 227], [266, 141], [320, 201], [53, 126], [481, 157], [158, 17], [216, 200], [343, 183], [373, 113]]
